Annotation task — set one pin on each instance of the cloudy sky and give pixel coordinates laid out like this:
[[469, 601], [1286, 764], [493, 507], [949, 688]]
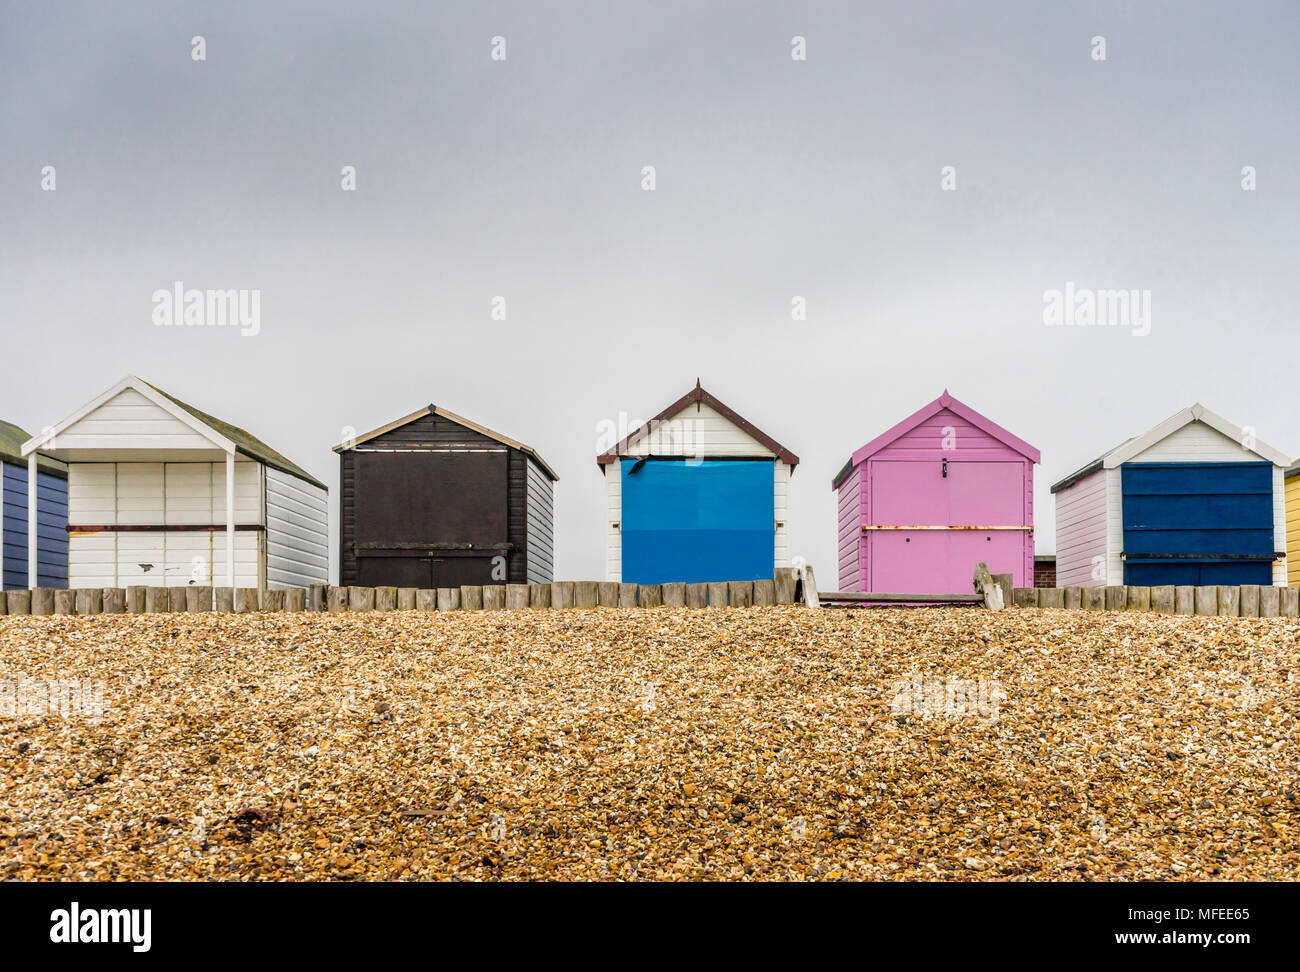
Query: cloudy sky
[[775, 178]]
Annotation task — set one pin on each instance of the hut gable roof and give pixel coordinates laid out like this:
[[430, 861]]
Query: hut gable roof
[[945, 402], [223, 435], [11, 450], [698, 396], [1132, 448], [457, 419]]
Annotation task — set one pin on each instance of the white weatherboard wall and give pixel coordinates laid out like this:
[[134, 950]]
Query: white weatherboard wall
[[697, 430], [130, 421], [297, 531]]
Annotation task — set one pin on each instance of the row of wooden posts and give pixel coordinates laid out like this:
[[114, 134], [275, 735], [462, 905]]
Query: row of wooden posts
[[1246, 601], [780, 589]]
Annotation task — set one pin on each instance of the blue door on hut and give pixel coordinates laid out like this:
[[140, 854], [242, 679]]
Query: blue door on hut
[[1198, 523], [697, 520]]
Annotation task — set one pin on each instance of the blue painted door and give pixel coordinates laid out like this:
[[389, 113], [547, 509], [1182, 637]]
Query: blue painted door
[[1198, 523], [696, 521]]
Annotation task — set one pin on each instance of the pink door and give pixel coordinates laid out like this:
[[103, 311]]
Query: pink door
[[917, 494]]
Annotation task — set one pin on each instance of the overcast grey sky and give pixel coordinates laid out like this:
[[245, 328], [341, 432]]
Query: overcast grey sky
[[775, 178]]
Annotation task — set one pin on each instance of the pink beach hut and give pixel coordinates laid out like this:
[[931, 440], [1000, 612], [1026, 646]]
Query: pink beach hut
[[941, 491]]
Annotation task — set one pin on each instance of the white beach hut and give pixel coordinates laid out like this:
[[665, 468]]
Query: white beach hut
[[163, 495]]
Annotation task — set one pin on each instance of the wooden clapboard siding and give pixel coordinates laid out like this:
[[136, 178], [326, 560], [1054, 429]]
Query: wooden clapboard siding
[[1292, 515], [928, 438], [131, 421], [51, 528], [297, 531], [1081, 531], [1194, 442], [781, 513], [347, 518], [540, 539], [698, 430], [517, 513], [613, 521], [850, 532]]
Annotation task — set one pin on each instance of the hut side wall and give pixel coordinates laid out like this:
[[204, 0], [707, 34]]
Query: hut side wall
[[297, 531], [850, 531], [517, 531], [51, 528], [1292, 503], [781, 513], [347, 518], [613, 522], [540, 537], [1081, 531]]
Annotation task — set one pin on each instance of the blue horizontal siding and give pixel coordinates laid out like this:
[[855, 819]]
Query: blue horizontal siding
[[51, 528]]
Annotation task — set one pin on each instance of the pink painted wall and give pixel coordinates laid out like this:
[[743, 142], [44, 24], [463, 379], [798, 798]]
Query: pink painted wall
[[897, 480]]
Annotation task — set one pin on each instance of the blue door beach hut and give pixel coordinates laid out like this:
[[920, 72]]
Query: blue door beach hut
[[1196, 500], [696, 494]]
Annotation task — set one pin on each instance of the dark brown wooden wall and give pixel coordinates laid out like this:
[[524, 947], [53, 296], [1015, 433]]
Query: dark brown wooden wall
[[434, 432]]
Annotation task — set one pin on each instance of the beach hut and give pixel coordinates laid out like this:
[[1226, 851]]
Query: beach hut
[[163, 495], [922, 504], [51, 515], [1196, 500], [696, 494], [1292, 492], [435, 500]]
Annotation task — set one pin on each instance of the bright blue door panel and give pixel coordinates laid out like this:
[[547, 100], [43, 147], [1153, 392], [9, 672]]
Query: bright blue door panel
[[1203, 511], [708, 521]]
